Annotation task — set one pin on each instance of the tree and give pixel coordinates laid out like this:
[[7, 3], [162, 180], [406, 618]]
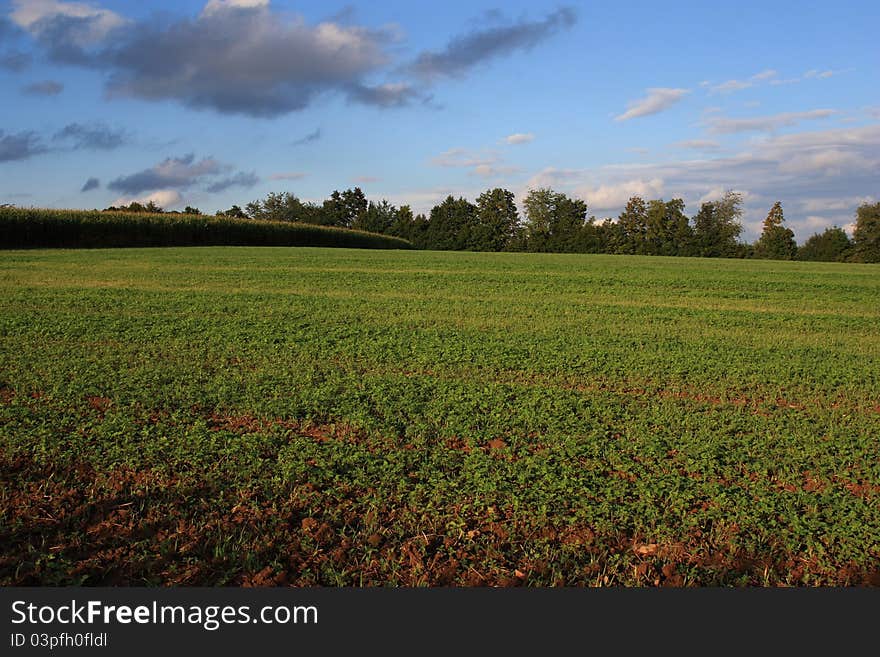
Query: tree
[[450, 224], [418, 234], [344, 208], [554, 222], [776, 241], [832, 245], [191, 210], [235, 212], [866, 235], [611, 236], [134, 206], [403, 224], [254, 210], [539, 218], [497, 221], [633, 227], [378, 218], [667, 230], [717, 227], [283, 207], [592, 238]]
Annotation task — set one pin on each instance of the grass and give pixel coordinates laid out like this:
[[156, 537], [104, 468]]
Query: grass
[[344, 417]]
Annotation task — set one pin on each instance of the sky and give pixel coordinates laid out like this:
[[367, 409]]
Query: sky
[[220, 102]]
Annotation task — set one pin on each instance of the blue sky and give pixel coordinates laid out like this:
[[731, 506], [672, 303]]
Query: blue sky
[[219, 102]]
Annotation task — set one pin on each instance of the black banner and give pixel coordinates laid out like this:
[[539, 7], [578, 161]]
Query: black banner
[[409, 621]]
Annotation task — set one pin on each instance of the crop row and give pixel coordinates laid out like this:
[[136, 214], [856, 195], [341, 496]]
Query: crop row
[[344, 417], [46, 228]]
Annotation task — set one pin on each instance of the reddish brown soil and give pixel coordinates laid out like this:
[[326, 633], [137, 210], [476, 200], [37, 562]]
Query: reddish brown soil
[[131, 527]]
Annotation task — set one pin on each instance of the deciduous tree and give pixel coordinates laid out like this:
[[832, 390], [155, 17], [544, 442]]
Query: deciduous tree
[[450, 224], [866, 235], [717, 227], [378, 218], [497, 221], [668, 230], [632, 227], [776, 241], [831, 245], [554, 221]]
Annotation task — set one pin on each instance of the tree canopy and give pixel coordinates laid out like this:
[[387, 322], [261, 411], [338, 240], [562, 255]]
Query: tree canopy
[[554, 222], [831, 245], [866, 235], [776, 241]]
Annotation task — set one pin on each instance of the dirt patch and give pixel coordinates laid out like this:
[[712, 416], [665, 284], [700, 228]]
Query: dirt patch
[[862, 489], [240, 424], [99, 404], [73, 524]]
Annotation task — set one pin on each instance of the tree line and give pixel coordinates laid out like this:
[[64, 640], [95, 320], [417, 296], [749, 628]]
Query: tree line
[[554, 222]]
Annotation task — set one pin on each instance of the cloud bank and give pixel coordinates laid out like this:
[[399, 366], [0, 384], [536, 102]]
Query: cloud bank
[[235, 57], [819, 176], [725, 126]]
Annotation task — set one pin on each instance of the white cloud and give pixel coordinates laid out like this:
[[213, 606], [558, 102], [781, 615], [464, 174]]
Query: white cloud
[[520, 138], [717, 192], [485, 163], [830, 162], [605, 197], [847, 152], [765, 75], [833, 204], [93, 23], [553, 177], [657, 100], [812, 224], [461, 157], [813, 74], [493, 171], [724, 125], [833, 169], [699, 144], [781, 81], [292, 175], [215, 6], [164, 198], [813, 221], [421, 200], [730, 86]]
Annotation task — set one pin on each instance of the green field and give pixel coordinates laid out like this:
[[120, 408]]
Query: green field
[[349, 417]]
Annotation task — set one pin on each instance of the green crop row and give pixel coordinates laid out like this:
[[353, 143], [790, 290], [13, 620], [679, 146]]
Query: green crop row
[[351, 417], [47, 228]]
